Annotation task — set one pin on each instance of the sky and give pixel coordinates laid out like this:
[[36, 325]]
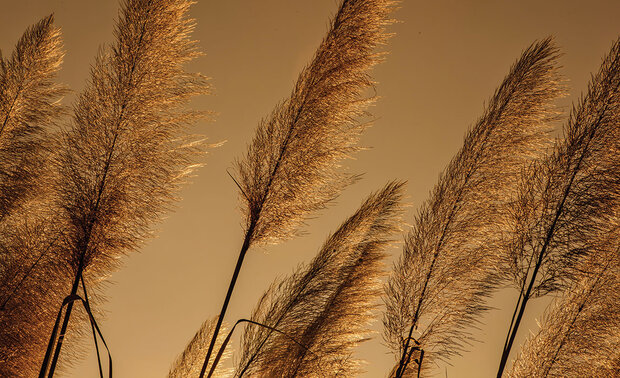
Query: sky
[[445, 60]]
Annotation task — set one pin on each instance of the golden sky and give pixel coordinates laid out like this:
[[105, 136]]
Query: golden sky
[[445, 61]]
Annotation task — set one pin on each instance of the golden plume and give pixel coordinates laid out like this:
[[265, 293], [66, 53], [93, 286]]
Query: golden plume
[[324, 309], [29, 106], [189, 362], [449, 263], [126, 152]]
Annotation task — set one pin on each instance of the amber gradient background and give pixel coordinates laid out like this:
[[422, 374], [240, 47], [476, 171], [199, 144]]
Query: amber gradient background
[[445, 61]]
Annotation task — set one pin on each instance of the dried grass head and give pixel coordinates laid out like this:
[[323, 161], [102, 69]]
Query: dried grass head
[[324, 309], [291, 166]]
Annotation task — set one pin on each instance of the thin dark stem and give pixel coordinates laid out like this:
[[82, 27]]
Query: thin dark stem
[[549, 236], [81, 264], [238, 186], [512, 320], [249, 234], [68, 300], [532, 280], [420, 362], [51, 342], [93, 323], [514, 314], [513, 333], [231, 287], [220, 352], [65, 322], [92, 326]]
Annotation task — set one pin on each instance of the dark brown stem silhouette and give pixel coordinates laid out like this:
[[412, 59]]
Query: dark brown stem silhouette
[[231, 287]]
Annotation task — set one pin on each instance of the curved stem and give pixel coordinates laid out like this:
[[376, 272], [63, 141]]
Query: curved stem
[[227, 339]]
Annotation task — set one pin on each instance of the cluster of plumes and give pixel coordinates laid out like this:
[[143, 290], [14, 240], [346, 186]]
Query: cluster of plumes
[[569, 200], [112, 172], [580, 333], [116, 169], [324, 309], [449, 264], [188, 364], [566, 209], [290, 168]]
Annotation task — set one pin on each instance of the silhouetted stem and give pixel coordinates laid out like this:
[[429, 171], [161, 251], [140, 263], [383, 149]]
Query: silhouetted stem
[[65, 323], [514, 314], [515, 328], [51, 342], [92, 326], [69, 299], [231, 287], [248, 238], [420, 362]]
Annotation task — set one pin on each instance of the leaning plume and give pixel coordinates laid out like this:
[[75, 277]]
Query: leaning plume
[[29, 105], [447, 269], [568, 201], [188, 364], [580, 334], [290, 166], [323, 310], [126, 153]]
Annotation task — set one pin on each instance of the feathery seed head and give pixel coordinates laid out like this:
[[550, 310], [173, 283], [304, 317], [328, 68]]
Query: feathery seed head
[[449, 263], [291, 166], [324, 308]]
